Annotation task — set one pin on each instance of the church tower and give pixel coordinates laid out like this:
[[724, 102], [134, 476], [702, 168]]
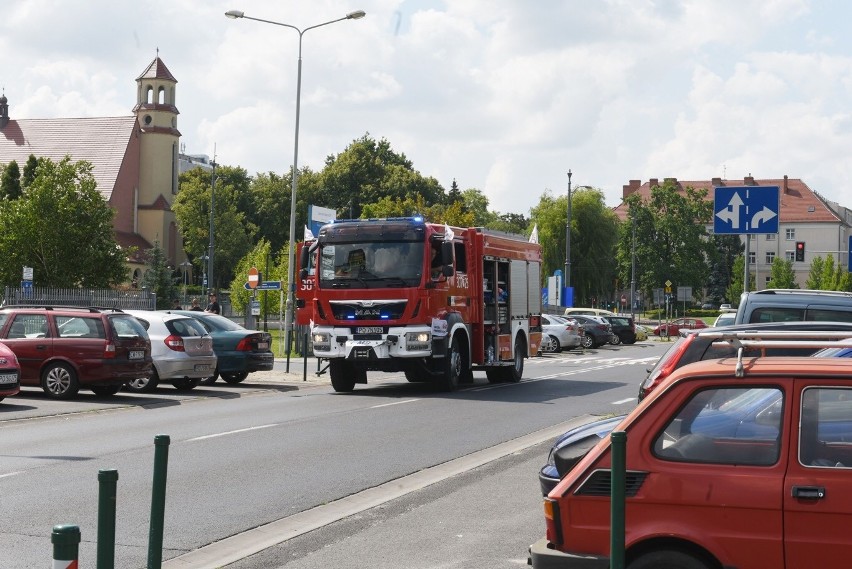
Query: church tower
[[156, 114]]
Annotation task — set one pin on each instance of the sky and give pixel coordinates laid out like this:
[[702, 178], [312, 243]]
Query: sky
[[505, 96]]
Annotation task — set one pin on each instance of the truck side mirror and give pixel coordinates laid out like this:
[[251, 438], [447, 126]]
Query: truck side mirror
[[303, 261]]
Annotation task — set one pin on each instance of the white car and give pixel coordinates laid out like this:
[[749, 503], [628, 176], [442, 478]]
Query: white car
[[725, 319], [559, 333], [181, 348]]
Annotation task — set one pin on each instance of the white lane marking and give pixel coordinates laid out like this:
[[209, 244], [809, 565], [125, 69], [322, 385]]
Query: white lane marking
[[565, 373], [232, 432], [11, 474], [623, 401], [394, 403]]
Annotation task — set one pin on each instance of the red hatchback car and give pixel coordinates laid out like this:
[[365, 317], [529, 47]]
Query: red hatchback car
[[674, 327], [62, 349], [10, 372]]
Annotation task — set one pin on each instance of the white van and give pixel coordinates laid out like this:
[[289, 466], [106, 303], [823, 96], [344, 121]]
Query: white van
[[588, 312]]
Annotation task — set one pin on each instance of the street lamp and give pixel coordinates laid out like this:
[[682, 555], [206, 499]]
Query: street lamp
[[568, 238], [291, 270], [186, 265], [212, 215]]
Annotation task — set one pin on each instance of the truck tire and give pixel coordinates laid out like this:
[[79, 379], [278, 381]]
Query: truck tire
[[342, 375], [454, 367], [515, 372]]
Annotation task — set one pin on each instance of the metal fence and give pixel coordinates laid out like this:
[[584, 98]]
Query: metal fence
[[106, 298]]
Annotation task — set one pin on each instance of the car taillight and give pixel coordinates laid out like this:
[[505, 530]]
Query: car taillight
[[664, 370], [109, 350], [552, 521], [174, 342], [244, 345]]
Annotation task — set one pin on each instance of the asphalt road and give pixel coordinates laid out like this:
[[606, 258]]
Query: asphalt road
[[244, 456]]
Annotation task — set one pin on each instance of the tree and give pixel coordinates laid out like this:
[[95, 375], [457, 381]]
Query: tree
[[29, 173], [477, 203], [725, 250], [62, 227], [826, 275], [233, 233], [454, 195], [735, 290], [159, 277], [10, 182], [782, 274], [814, 281], [671, 239]]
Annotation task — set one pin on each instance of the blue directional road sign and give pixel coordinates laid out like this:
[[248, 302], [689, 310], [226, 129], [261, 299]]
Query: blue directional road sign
[[265, 285], [746, 209]]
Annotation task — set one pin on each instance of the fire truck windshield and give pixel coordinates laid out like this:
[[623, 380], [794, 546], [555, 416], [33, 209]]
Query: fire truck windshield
[[371, 264]]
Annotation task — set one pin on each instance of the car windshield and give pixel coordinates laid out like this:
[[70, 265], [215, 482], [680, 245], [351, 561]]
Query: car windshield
[[371, 264]]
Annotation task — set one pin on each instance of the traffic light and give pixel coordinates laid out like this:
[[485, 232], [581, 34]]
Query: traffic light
[[800, 251]]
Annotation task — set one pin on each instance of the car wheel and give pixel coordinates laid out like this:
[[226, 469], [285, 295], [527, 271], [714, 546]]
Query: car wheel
[[144, 384], [548, 344], [588, 341], [105, 390], [59, 381], [667, 559], [614, 339], [342, 375], [211, 379], [186, 383], [234, 378]]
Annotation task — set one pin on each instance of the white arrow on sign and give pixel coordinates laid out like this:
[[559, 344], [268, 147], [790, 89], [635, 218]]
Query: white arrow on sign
[[731, 213], [762, 216]]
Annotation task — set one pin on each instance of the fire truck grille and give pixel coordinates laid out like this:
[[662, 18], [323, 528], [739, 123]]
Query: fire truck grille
[[355, 311], [599, 483]]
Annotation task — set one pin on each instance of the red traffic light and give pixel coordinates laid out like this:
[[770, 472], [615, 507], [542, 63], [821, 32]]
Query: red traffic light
[[800, 251]]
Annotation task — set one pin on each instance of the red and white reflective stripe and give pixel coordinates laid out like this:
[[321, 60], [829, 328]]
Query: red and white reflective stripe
[[58, 564]]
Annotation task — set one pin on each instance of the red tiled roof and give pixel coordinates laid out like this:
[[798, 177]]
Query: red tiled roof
[[101, 141], [799, 204], [157, 70], [134, 240]]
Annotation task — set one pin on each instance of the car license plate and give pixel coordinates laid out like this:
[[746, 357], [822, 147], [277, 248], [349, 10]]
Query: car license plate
[[263, 345], [136, 355], [202, 367], [8, 378], [369, 330]]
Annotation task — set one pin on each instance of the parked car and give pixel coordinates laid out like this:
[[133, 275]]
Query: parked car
[[572, 311], [642, 332], [64, 348], [623, 331], [181, 348], [769, 435], [10, 372], [675, 326], [571, 446], [697, 345], [725, 319], [239, 351], [708, 306], [725, 306], [562, 333], [783, 305], [596, 330]]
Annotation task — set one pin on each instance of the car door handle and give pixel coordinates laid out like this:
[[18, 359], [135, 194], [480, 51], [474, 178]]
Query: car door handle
[[41, 347], [809, 492]]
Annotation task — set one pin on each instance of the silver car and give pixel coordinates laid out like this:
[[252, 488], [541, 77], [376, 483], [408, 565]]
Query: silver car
[[181, 348], [559, 333]]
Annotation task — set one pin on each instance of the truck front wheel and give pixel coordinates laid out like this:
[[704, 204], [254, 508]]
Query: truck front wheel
[[455, 365], [342, 375]]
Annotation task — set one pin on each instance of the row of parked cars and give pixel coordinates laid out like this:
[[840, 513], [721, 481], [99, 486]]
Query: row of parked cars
[[737, 455], [63, 349], [589, 329]]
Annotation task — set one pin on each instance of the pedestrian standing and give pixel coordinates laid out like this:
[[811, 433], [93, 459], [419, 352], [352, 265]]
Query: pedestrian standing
[[212, 304]]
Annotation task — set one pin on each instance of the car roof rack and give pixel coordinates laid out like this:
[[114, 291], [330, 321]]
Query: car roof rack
[[804, 291], [63, 307], [779, 339]]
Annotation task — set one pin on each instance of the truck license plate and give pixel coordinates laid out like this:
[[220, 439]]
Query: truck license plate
[[369, 330], [8, 378]]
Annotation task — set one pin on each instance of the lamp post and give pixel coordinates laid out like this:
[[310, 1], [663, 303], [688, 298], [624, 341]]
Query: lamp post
[[212, 215], [568, 238], [291, 269]]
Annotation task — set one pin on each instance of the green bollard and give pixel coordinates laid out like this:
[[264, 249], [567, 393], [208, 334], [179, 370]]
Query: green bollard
[[107, 496], [66, 546], [158, 502], [617, 505]]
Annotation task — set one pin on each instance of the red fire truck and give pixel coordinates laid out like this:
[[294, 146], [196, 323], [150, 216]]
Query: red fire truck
[[433, 301]]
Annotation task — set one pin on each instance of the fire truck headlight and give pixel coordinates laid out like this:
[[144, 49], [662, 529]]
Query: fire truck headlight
[[417, 341], [322, 341]]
